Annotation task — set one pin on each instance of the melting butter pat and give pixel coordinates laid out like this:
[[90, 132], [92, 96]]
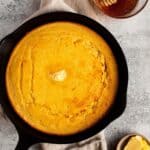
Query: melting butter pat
[[137, 143], [59, 75]]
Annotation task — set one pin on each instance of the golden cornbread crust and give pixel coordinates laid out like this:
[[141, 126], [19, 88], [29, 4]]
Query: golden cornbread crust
[[53, 104]]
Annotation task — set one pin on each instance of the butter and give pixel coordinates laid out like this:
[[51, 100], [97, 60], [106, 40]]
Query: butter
[[59, 75], [137, 143]]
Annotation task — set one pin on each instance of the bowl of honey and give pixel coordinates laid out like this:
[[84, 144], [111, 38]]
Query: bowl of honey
[[121, 8]]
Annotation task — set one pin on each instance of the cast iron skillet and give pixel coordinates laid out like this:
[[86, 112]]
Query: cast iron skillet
[[28, 135]]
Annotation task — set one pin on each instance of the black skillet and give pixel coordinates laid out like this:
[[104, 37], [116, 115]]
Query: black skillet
[[28, 135]]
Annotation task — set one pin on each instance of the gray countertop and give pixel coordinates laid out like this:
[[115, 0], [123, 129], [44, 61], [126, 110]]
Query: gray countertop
[[133, 34]]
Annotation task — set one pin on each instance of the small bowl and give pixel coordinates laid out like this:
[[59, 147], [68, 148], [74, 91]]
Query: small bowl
[[122, 143], [138, 8]]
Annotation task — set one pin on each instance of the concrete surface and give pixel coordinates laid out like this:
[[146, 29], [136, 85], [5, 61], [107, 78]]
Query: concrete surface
[[133, 35]]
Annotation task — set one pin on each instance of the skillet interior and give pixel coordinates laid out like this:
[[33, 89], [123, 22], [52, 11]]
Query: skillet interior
[[29, 135]]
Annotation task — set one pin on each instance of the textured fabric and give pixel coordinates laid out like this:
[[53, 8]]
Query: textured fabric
[[95, 143]]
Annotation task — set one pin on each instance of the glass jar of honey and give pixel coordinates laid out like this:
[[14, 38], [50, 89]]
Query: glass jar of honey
[[120, 8]]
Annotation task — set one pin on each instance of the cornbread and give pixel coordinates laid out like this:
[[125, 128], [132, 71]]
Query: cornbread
[[61, 78]]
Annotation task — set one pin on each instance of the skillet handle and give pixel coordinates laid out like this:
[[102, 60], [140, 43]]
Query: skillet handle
[[25, 141], [2, 42], [22, 145]]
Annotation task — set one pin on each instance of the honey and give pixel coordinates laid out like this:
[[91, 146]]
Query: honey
[[116, 8]]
